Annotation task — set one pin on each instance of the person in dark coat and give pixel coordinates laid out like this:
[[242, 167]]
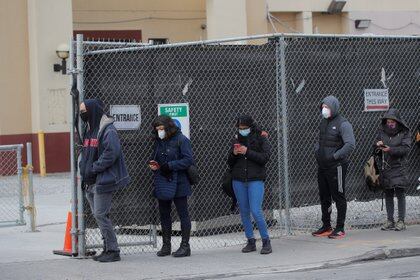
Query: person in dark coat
[[102, 170], [333, 149], [171, 159], [393, 141], [248, 156]]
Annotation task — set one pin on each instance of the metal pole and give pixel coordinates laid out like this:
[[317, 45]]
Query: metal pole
[[285, 124], [31, 206], [73, 161], [20, 179], [41, 149], [80, 213], [281, 221]]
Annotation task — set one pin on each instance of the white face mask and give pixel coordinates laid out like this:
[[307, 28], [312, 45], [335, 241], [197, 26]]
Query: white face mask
[[161, 134], [326, 113]]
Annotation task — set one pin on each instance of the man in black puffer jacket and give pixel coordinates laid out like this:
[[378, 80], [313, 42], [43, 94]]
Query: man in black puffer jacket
[[336, 142], [103, 171]]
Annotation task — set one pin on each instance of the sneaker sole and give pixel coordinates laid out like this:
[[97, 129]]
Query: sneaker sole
[[336, 237], [113, 260], [322, 234]]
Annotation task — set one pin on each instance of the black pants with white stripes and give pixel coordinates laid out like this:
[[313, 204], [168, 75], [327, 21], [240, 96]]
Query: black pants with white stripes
[[331, 185]]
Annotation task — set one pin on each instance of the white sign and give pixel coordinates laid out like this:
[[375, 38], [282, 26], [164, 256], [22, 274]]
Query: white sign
[[180, 113], [126, 117], [376, 100]]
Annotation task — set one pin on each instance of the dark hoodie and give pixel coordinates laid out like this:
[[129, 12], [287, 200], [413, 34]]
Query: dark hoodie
[[95, 111], [336, 137], [394, 173], [102, 162]]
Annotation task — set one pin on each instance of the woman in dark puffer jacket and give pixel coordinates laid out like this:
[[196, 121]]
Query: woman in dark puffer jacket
[[247, 159], [170, 161], [393, 142]]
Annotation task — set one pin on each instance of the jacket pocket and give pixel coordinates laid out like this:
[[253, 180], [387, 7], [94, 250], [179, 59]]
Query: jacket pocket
[[106, 178]]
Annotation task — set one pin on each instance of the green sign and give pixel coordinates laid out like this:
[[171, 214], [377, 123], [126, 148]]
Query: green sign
[[174, 111]]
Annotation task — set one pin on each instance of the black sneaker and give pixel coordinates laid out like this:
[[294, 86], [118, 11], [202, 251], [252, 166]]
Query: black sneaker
[[96, 258], [110, 256], [337, 234], [323, 232]]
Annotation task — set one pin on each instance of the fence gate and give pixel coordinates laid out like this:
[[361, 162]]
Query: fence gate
[[11, 187], [280, 80]]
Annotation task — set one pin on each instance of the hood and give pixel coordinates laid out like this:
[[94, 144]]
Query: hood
[[395, 115], [105, 121], [333, 103], [95, 110]]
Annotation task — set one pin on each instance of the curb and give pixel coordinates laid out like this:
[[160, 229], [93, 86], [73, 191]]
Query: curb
[[375, 255]]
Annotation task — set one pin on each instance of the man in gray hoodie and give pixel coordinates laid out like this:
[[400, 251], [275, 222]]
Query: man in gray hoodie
[[336, 143]]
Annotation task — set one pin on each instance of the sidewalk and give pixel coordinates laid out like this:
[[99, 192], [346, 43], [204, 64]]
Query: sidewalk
[[29, 255]]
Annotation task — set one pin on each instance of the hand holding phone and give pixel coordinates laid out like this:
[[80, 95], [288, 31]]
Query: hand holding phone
[[154, 165], [236, 148]]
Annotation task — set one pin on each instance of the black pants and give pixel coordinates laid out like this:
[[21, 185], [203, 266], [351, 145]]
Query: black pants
[[331, 184], [389, 202], [181, 204]]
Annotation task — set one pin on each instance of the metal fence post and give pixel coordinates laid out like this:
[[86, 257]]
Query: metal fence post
[[279, 136], [31, 206], [19, 172], [73, 160], [80, 213], [282, 46]]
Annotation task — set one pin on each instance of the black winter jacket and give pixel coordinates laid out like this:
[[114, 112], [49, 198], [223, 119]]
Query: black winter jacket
[[251, 166], [394, 170]]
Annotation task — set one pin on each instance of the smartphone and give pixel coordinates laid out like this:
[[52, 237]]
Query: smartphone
[[383, 146]]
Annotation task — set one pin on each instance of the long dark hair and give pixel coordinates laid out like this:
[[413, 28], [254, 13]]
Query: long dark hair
[[170, 127]]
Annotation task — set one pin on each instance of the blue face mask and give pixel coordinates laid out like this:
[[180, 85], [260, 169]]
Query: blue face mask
[[245, 132]]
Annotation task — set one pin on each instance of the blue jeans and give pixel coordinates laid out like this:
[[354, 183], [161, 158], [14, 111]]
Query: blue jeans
[[250, 196]]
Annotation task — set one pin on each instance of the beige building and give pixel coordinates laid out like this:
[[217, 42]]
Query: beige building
[[35, 98]]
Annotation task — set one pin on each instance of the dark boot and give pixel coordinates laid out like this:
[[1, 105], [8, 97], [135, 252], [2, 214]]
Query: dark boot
[[266, 247], [184, 250], [250, 246], [166, 246], [110, 256], [95, 258]]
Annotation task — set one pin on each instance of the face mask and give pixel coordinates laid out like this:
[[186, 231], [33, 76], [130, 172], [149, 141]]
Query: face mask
[[391, 125], [245, 132], [84, 116], [161, 134], [326, 113]]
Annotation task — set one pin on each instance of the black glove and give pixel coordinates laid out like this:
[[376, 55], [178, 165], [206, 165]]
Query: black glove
[[165, 169]]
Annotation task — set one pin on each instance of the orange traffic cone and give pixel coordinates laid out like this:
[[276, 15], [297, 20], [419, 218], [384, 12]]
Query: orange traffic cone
[[67, 239]]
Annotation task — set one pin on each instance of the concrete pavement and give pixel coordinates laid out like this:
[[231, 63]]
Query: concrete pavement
[[29, 254]]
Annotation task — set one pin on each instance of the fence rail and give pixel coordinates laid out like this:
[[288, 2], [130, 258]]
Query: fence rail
[[280, 79]]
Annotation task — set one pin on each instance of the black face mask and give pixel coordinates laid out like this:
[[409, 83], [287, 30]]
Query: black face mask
[[84, 116]]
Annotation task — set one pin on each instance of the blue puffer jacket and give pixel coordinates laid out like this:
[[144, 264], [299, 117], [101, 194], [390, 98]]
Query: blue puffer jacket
[[177, 152]]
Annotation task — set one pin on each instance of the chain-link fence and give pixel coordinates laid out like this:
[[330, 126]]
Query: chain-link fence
[[11, 189], [280, 81]]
